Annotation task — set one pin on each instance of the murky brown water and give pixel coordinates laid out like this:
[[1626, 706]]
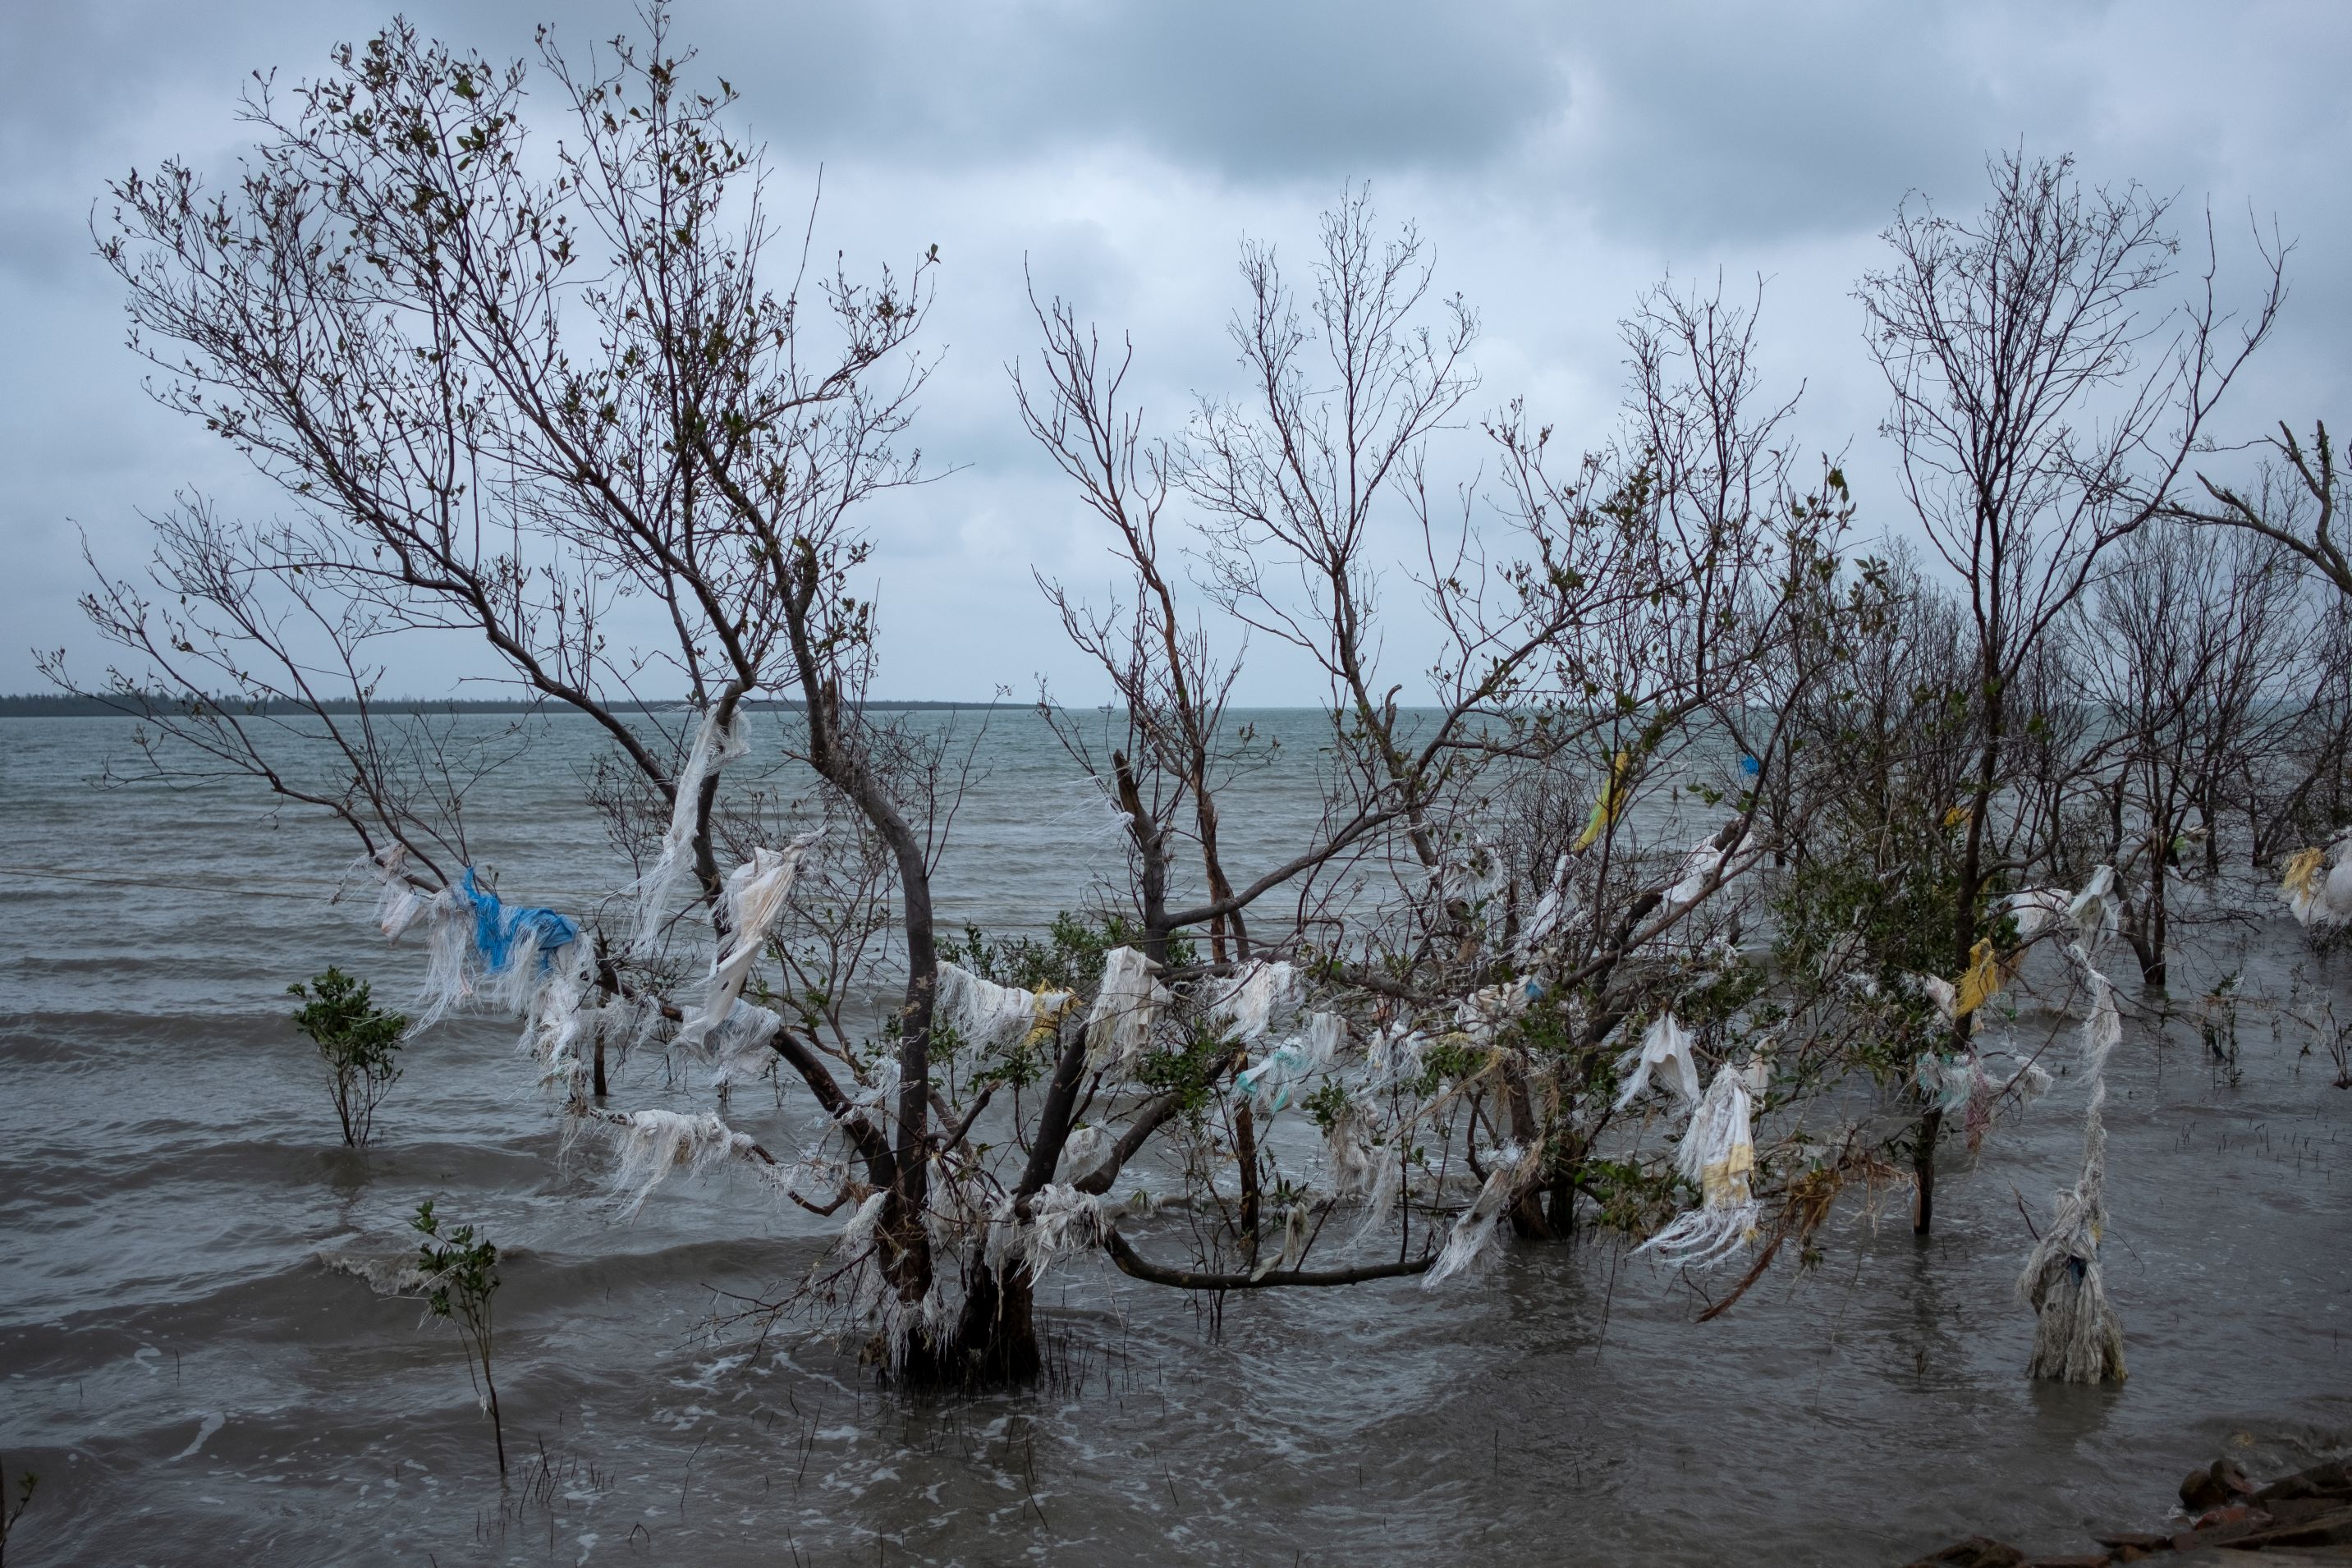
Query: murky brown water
[[194, 1385]]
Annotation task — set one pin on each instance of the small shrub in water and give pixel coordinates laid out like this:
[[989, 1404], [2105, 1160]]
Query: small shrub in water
[[357, 1041], [462, 1275]]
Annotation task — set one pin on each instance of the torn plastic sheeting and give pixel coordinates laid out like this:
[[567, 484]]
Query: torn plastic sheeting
[[1062, 1221], [2319, 896], [1666, 1044], [1717, 1152], [756, 891], [2094, 910], [1981, 982], [562, 1015], [1395, 1055], [1552, 910], [1482, 1015], [2037, 909], [500, 930], [741, 1050], [1083, 1151], [1945, 1081], [1471, 1240], [656, 1144], [1699, 868], [2077, 1337], [1267, 1085]]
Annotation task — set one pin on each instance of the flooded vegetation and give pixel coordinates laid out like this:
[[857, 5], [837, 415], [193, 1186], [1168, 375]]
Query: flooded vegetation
[[1790, 1023]]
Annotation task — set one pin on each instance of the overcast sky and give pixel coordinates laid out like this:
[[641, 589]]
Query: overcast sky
[[1560, 158]]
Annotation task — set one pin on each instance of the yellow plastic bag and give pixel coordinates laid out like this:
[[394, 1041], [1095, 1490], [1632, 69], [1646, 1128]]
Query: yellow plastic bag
[[1611, 801]]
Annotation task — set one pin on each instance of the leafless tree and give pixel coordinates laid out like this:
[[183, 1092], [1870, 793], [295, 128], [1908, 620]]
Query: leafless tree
[[2191, 648]]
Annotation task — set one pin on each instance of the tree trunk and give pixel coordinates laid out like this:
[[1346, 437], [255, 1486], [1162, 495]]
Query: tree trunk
[[995, 1339]]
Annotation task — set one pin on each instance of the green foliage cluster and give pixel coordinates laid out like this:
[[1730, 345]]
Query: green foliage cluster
[[1189, 1069], [357, 1040], [1071, 958]]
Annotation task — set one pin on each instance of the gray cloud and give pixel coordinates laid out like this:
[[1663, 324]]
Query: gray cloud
[[1559, 159]]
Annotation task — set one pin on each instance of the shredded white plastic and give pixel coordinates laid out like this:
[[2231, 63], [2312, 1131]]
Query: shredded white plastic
[[2077, 1337], [1082, 1151], [741, 1050], [1666, 1044], [1293, 1243], [1259, 998], [2036, 910], [714, 747], [1718, 1153], [1473, 1236], [1063, 1221], [756, 893], [1482, 1015], [656, 1144], [1269, 1084], [989, 1016], [1395, 1055], [561, 1016], [399, 904], [1118, 1026], [2095, 910], [1552, 911], [1699, 868]]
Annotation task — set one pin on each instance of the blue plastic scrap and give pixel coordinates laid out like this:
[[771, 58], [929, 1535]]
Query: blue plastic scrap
[[495, 926]]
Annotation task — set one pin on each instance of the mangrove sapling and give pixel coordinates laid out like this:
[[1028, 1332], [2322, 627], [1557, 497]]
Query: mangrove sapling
[[10, 1514], [357, 1040], [461, 1275]]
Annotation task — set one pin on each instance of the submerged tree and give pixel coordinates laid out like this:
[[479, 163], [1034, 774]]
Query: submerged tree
[[578, 407], [2045, 406]]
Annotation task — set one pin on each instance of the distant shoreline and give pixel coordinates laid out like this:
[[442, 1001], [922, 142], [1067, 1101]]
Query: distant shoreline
[[45, 707]]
